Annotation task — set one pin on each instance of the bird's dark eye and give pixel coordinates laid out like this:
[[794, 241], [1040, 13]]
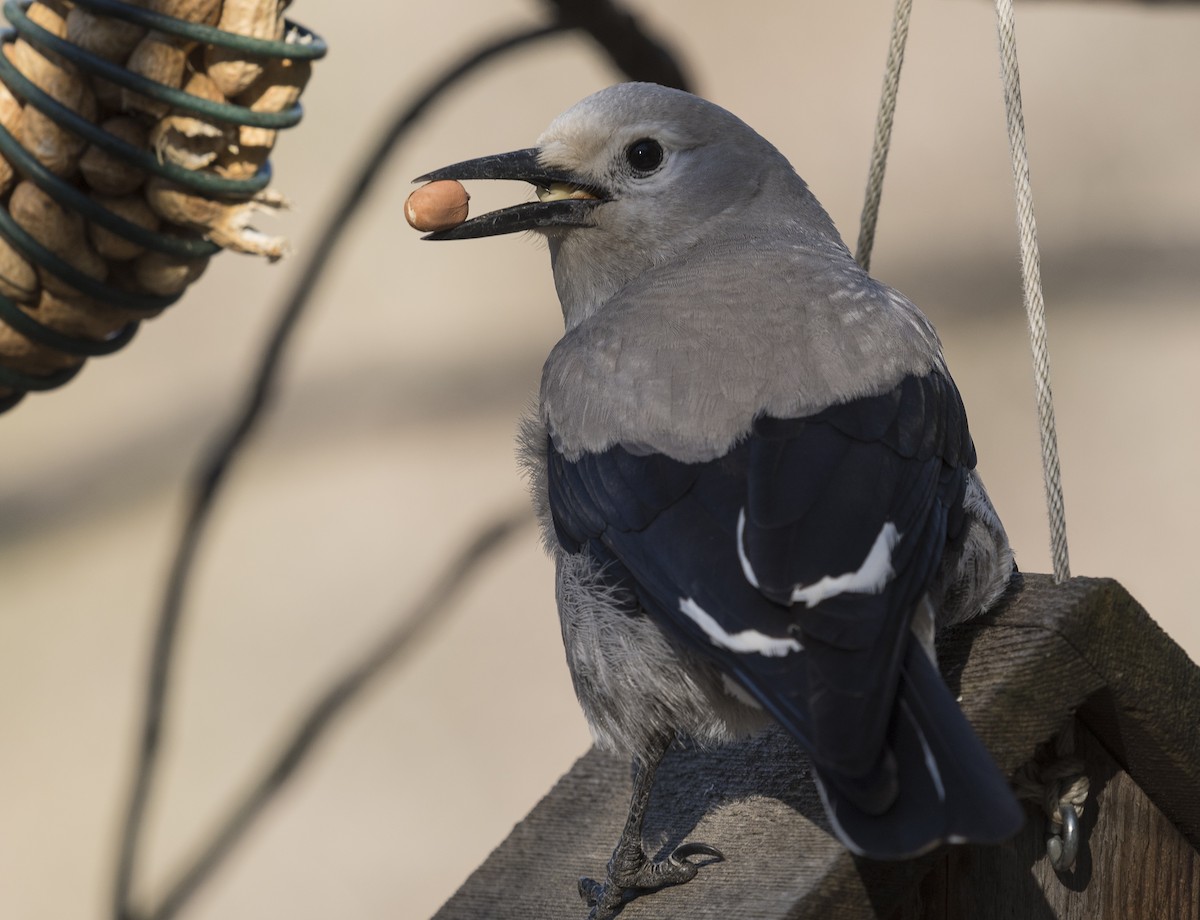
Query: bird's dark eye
[[645, 155]]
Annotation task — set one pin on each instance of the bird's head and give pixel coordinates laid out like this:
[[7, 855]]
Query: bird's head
[[631, 177]]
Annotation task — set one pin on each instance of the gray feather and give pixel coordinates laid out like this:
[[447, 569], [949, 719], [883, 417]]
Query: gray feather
[[633, 682], [684, 357]]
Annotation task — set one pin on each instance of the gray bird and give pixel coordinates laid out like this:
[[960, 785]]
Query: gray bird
[[754, 475]]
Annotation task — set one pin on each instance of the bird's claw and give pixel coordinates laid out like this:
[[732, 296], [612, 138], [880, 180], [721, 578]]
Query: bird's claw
[[685, 850], [605, 898], [590, 891]]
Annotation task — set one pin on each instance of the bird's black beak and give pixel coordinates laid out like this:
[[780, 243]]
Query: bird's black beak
[[562, 200]]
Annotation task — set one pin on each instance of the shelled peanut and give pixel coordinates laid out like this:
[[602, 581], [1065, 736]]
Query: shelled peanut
[[175, 135]]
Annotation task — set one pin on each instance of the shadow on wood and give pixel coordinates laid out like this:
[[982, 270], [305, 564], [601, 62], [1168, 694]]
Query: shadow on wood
[[1083, 648]]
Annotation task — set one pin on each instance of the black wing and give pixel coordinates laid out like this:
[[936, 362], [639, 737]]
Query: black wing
[[796, 561]]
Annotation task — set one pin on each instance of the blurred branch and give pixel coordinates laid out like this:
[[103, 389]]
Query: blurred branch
[[332, 702], [638, 54], [641, 58], [213, 470]]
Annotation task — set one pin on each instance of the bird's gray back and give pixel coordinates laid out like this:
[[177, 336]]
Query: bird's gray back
[[683, 358]]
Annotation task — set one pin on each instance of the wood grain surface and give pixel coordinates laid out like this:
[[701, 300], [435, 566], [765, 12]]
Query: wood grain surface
[[1022, 672]]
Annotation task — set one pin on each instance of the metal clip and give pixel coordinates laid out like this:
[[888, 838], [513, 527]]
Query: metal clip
[[1063, 847]]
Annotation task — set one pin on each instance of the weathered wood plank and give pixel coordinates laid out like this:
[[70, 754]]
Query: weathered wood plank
[[1022, 671], [1133, 862], [1141, 2]]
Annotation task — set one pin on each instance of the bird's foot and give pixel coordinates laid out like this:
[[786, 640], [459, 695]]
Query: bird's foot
[[632, 872]]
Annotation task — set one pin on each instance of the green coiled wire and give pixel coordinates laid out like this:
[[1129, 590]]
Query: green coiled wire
[[299, 44]]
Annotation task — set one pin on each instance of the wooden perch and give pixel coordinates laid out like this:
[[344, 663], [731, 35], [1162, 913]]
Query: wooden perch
[[1083, 648]]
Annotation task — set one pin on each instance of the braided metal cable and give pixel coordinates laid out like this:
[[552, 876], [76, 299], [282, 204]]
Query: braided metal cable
[[1031, 274], [1059, 787], [883, 133], [1035, 306]]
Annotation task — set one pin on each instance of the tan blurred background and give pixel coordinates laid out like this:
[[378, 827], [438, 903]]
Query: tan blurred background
[[393, 438]]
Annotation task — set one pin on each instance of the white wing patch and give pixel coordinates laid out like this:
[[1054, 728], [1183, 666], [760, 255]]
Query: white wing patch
[[747, 569], [870, 578], [748, 640]]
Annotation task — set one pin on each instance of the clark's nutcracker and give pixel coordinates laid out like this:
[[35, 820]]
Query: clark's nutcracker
[[754, 474]]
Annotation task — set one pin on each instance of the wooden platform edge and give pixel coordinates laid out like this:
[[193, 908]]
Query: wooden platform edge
[[1022, 671]]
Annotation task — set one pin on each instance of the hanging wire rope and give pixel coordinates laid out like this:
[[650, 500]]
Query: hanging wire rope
[[1035, 305], [1031, 274], [883, 133], [1060, 787]]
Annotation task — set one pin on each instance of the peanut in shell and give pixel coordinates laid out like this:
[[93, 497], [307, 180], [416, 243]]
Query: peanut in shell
[[204, 12], [278, 87], [231, 70], [103, 36], [11, 114], [158, 57], [58, 229], [108, 173], [162, 274], [225, 223], [18, 278], [29, 357], [111, 245], [188, 139]]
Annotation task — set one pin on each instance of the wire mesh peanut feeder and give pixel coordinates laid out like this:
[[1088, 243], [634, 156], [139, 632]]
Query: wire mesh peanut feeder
[[135, 140]]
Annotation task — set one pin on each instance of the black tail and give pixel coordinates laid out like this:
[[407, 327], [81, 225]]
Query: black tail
[[949, 787]]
